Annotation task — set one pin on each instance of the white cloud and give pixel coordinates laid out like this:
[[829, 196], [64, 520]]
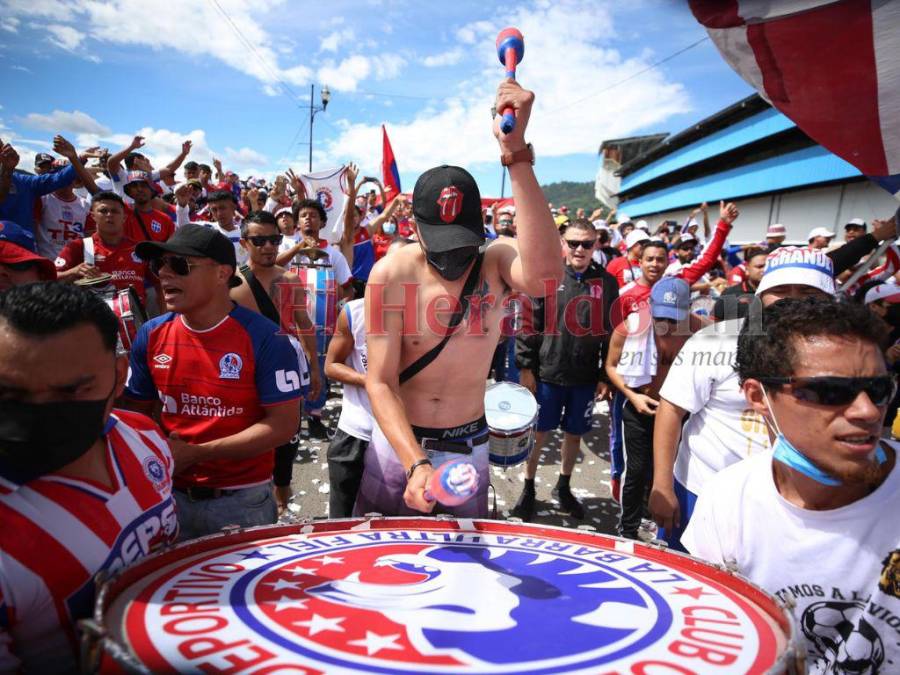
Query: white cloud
[[245, 157], [193, 27], [449, 58], [458, 131], [64, 37], [21, 68], [346, 75], [333, 41], [10, 24], [61, 121]]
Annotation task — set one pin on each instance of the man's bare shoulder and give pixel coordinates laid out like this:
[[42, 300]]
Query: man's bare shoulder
[[404, 264]]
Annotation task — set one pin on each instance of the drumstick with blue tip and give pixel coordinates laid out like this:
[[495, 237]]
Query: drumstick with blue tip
[[510, 51], [452, 483]]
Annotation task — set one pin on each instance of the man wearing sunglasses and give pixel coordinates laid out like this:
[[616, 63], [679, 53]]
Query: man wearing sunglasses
[[722, 429], [19, 262], [278, 295], [815, 522], [223, 379], [562, 366]]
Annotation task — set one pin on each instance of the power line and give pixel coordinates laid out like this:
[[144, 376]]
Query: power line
[[249, 45], [640, 72], [303, 126]]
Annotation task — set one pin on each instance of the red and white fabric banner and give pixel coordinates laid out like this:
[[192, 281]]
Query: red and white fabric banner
[[831, 66]]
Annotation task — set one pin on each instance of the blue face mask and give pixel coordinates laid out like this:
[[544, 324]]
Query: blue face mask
[[389, 228], [785, 452]]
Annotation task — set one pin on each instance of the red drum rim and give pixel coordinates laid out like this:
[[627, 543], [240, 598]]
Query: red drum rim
[[748, 596]]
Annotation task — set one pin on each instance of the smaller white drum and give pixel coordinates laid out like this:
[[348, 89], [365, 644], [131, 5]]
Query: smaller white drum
[[511, 411]]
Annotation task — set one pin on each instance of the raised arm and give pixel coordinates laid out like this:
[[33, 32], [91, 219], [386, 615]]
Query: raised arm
[[176, 163], [114, 163], [220, 175], [524, 263], [710, 254], [9, 159], [349, 214], [63, 147], [376, 224]]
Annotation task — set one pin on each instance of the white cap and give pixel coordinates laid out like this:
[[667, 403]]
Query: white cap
[[819, 232], [285, 209], [692, 223], [889, 292], [687, 237], [797, 266], [623, 218], [636, 236], [859, 222], [509, 208], [642, 225], [600, 224]]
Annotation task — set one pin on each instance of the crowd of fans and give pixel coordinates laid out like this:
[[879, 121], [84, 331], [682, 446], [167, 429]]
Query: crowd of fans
[[701, 348]]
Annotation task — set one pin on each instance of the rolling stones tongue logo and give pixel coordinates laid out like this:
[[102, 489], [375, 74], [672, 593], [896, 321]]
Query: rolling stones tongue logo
[[450, 201]]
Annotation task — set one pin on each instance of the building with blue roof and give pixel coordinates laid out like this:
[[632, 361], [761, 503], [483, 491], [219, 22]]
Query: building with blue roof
[[748, 153]]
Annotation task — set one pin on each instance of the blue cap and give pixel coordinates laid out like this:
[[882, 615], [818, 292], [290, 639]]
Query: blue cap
[[18, 235], [670, 298]]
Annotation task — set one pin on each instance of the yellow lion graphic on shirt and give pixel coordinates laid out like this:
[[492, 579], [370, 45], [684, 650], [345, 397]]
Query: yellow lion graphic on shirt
[[889, 581]]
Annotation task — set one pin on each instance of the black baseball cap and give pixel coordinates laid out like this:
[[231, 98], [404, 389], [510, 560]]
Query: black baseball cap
[[194, 240], [447, 209], [42, 158]]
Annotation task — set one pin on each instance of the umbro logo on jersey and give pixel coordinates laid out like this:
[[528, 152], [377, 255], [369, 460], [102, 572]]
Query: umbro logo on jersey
[[162, 360]]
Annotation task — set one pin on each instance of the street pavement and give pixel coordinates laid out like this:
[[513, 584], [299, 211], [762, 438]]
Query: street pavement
[[590, 480]]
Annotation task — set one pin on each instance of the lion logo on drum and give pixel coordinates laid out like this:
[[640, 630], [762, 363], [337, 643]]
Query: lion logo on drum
[[493, 605], [845, 641]]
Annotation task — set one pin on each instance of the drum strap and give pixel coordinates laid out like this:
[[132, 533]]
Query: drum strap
[[137, 214], [422, 362], [89, 256], [266, 307]]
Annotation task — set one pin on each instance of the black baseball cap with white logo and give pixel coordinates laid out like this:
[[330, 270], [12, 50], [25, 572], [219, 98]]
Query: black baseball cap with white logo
[[193, 240], [447, 209]]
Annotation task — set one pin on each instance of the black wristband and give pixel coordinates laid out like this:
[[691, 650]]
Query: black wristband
[[416, 465]]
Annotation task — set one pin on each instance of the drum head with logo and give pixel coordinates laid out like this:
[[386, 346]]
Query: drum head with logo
[[509, 407], [421, 595]]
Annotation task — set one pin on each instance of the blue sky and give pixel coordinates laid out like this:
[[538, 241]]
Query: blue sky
[[234, 77]]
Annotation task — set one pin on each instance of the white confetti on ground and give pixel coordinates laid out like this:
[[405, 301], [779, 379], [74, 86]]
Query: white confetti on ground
[[294, 508], [325, 488], [316, 481]]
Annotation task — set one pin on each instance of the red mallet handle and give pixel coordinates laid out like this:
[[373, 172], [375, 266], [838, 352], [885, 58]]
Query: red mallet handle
[[510, 51]]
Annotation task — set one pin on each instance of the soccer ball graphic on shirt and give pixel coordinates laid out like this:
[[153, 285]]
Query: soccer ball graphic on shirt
[[846, 641]]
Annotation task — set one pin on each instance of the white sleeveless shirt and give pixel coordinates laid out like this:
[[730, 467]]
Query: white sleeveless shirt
[[356, 411]]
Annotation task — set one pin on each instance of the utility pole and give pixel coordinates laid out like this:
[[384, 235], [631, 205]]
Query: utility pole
[[313, 109]]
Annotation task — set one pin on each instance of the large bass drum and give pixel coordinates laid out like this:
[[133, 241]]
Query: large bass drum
[[426, 595]]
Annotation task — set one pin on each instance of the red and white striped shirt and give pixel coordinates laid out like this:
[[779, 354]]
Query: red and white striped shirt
[[59, 532]]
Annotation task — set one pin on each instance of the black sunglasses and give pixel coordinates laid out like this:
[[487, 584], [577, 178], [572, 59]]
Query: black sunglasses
[[178, 264], [586, 245], [837, 391], [262, 240]]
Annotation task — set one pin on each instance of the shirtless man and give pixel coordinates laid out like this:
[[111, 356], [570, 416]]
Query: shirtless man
[[641, 351], [438, 413], [260, 239]]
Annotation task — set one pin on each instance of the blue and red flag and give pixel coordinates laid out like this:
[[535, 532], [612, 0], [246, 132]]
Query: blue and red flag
[[390, 176]]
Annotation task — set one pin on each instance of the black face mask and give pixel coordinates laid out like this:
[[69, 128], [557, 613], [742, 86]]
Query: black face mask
[[453, 263], [40, 438]]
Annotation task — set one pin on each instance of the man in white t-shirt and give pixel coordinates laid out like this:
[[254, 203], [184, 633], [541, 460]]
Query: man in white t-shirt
[[815, 523], [310, 217], [722, 429], [227, 220], [61, 219]]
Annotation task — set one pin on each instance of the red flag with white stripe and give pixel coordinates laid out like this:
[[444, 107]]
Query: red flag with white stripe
[[831, 66]]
